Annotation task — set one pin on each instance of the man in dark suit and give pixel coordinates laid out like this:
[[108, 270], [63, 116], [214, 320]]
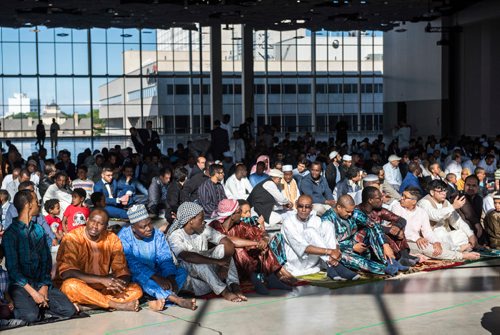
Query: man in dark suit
[[219, 141], [116, 199], [137, 139], [152, 139]]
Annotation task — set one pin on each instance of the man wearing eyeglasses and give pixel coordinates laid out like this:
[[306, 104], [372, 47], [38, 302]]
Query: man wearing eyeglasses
[[211, 191], [449, 228], [311, 245], [418, 231]]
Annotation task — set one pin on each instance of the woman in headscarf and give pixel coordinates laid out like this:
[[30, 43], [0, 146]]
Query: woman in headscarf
[[211, 270], [254, 258], [262, 158]]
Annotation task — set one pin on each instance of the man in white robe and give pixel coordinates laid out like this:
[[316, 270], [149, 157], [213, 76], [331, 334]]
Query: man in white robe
[[453, 232], [310, 244]]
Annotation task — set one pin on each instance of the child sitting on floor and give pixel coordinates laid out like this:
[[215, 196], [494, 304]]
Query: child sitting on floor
[[246, 215], [76, 214], [53, 207]]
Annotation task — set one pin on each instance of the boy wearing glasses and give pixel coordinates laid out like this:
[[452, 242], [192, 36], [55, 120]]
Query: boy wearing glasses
[[449, 228]]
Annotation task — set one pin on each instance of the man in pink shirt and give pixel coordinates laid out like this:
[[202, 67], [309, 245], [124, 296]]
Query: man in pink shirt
[[418, 230]]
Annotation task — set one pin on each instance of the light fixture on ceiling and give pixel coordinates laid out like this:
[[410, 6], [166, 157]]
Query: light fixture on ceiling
[[335, 44], [62, 34], [126, 35], [147, 32], [400, 30]]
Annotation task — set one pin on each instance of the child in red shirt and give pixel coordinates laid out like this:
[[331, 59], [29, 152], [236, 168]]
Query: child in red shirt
[[53, 207], [76, 214]]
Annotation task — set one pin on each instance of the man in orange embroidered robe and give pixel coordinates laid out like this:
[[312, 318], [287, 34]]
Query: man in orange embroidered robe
[[92, 264]]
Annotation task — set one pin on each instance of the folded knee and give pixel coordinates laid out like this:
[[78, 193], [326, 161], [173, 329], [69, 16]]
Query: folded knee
[[71, 285]]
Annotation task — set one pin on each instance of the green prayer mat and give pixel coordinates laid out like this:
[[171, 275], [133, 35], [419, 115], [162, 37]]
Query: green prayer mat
[[320, 279]]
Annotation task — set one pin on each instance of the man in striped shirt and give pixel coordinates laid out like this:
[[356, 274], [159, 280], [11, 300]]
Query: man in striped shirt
[[211, 192]]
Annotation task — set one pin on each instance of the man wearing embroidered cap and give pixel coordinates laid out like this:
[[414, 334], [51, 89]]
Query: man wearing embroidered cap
[[267, 200], [92, 264], [392, 172], [289, 186], [210, 270], [150, 261]]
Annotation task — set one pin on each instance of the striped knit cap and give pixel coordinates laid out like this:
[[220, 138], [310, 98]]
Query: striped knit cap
[[137, 213]]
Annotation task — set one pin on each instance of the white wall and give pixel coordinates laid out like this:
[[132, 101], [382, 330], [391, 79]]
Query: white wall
[[412, 74], [412, 64]]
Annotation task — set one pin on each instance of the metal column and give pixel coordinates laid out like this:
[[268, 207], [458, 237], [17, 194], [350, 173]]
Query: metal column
[[247, 77], [215, 74]]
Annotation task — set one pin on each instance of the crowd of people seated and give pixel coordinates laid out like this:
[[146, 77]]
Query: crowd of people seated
[[113, 228]]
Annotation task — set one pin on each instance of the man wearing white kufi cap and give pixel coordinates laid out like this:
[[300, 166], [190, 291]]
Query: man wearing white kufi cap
[[332, 172], [289, 186], [346, 164], [392, 172], [267, 199]]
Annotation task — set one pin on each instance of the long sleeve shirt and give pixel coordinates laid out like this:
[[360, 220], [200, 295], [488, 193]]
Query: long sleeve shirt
[[410, 180], [237, 189], [272, 188], [147, 257], [27, 255], [209, 196], [417, 223], [392, 174], [12, 214], [317, 189], [442, 213]]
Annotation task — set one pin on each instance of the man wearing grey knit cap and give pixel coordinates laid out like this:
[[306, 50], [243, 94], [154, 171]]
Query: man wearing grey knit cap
[[209, 269]]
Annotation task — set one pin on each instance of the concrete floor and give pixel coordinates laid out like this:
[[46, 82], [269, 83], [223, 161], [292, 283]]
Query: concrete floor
[[441, 302]]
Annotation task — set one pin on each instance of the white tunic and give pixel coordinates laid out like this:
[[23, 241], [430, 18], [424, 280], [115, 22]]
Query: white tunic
[[237, 189], [450, 239], [299, 235]]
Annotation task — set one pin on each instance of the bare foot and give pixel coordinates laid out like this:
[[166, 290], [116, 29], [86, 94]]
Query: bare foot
[[286, 277], [235, 288], [466, 247], [157, 305], [85, 308], [187, 303], [131, 306], [471, 256], [230, 296]]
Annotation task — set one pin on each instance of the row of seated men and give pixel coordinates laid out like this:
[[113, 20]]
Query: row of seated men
[[96, 268]]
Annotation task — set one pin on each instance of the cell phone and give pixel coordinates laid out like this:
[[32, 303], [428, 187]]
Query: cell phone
[[461, 194]]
